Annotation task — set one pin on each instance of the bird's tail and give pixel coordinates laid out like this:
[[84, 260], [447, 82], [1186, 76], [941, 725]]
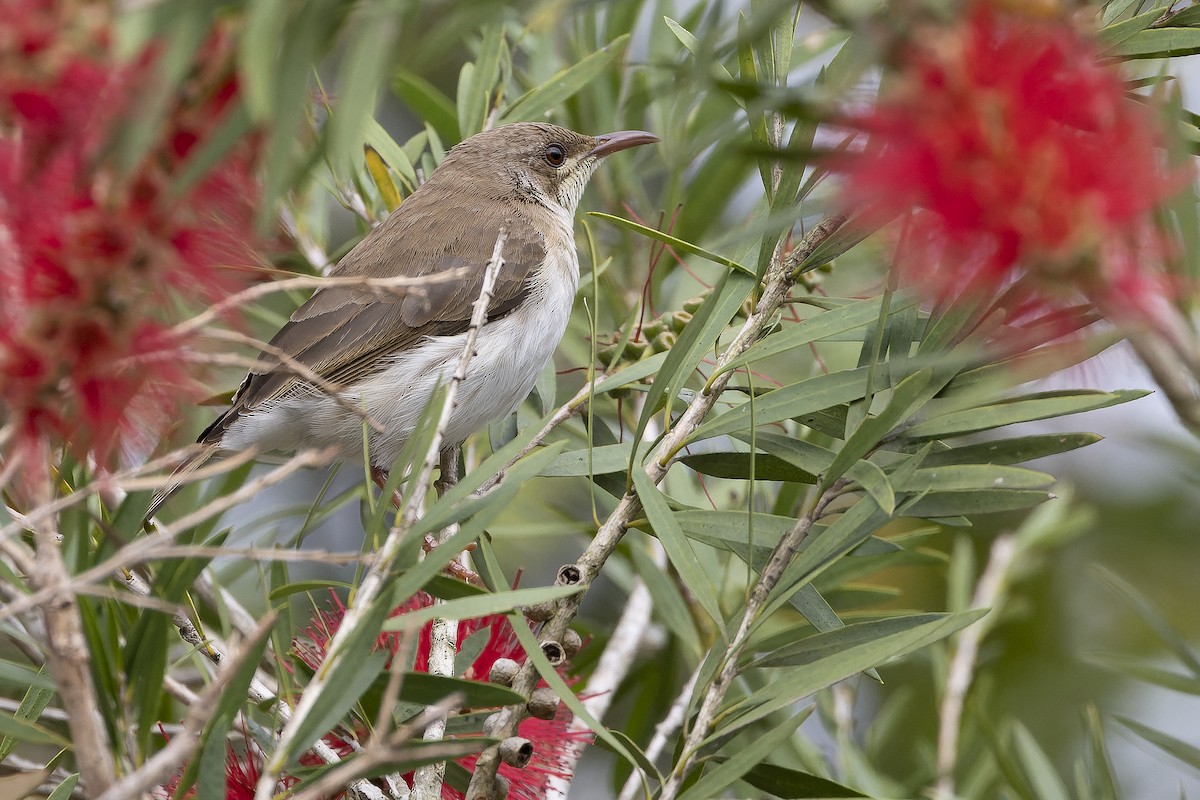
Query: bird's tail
[[181, 476]]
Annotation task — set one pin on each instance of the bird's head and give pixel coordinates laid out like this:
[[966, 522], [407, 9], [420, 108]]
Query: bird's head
[[535, 161]]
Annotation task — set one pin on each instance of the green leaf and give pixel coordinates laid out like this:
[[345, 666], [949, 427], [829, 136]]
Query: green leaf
[[679, 550], [426, 689], [873, 429], [1026, 408], [823, 645], [969, 477], [697, 338], [813, 394], [1159, 43], [25, 731], [429, 104], [1113, 35], [1177, 748], [473, 97], [540, 100], [952, 504], [1037, 766], [66, 789], [792, 685], [736, 466], [391, 152], [678, 244], [595, 461], [746, 755], [16, 674], [791, 784], [851, 316], [1011, 451], [478, 605]]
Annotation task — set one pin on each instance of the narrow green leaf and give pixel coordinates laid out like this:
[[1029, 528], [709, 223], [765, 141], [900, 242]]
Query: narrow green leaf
[[821, 326], [429, 104], [1026, 408], [478, 605], [1011, 451], [873, 429], [26, 731], [823, 645], [540, 100], [597, 461], [25, 677], [791, 784], [66, 789], [1159, 43], [812, 394], [951, 504], [736, 466], [679, 550], [1038, 768], [473, 103], [678, 244], [792, 685], [669, 605], [745, 756], [391, 152], [425, 689], [1114, 35], [258, 55], [968, 477], [1173, 746]]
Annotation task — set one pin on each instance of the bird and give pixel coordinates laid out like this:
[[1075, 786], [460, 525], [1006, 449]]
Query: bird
[[382, 353]]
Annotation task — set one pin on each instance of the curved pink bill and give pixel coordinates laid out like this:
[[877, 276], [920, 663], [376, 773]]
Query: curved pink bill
[[610, 143]]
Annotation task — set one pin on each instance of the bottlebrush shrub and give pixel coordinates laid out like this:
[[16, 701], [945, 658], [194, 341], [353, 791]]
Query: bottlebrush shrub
[[91, 256], [1014, 157]]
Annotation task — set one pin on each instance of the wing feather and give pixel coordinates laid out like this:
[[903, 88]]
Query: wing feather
[[345, 334]]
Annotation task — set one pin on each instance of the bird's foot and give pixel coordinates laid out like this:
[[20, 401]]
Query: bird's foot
[[380, 476], [454, 569]]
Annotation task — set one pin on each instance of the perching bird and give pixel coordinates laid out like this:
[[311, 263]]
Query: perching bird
[[387, 352]]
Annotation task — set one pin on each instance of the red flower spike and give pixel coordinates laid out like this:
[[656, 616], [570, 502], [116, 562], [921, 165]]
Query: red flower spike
[[553, 740], [1014, 155], [88, 260]]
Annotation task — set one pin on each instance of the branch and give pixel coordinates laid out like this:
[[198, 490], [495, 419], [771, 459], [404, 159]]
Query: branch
[[68, 658], [779, 281]]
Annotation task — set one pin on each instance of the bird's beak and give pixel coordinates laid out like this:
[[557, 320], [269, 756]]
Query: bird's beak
[[611, 143]]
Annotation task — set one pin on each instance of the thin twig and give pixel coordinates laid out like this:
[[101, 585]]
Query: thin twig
[[377, 576], [992, 584], [779, 281]]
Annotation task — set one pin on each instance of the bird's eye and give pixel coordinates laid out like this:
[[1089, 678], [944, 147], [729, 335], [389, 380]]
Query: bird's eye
[[555, 155]]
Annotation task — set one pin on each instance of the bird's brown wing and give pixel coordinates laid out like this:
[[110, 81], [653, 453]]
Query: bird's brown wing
[[344, 334]]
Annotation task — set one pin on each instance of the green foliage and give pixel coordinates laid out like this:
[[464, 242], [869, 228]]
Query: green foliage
[[860, 419]]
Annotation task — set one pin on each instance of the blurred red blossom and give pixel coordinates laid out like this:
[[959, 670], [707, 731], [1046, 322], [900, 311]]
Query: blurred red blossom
[[1015, 158], [94, 260]]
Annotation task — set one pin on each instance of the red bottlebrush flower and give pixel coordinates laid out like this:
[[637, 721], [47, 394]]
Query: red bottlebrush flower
[[553, 740], [1016, 156], [92, 261]]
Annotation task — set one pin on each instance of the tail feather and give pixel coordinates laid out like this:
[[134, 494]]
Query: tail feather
[[181, 476]]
